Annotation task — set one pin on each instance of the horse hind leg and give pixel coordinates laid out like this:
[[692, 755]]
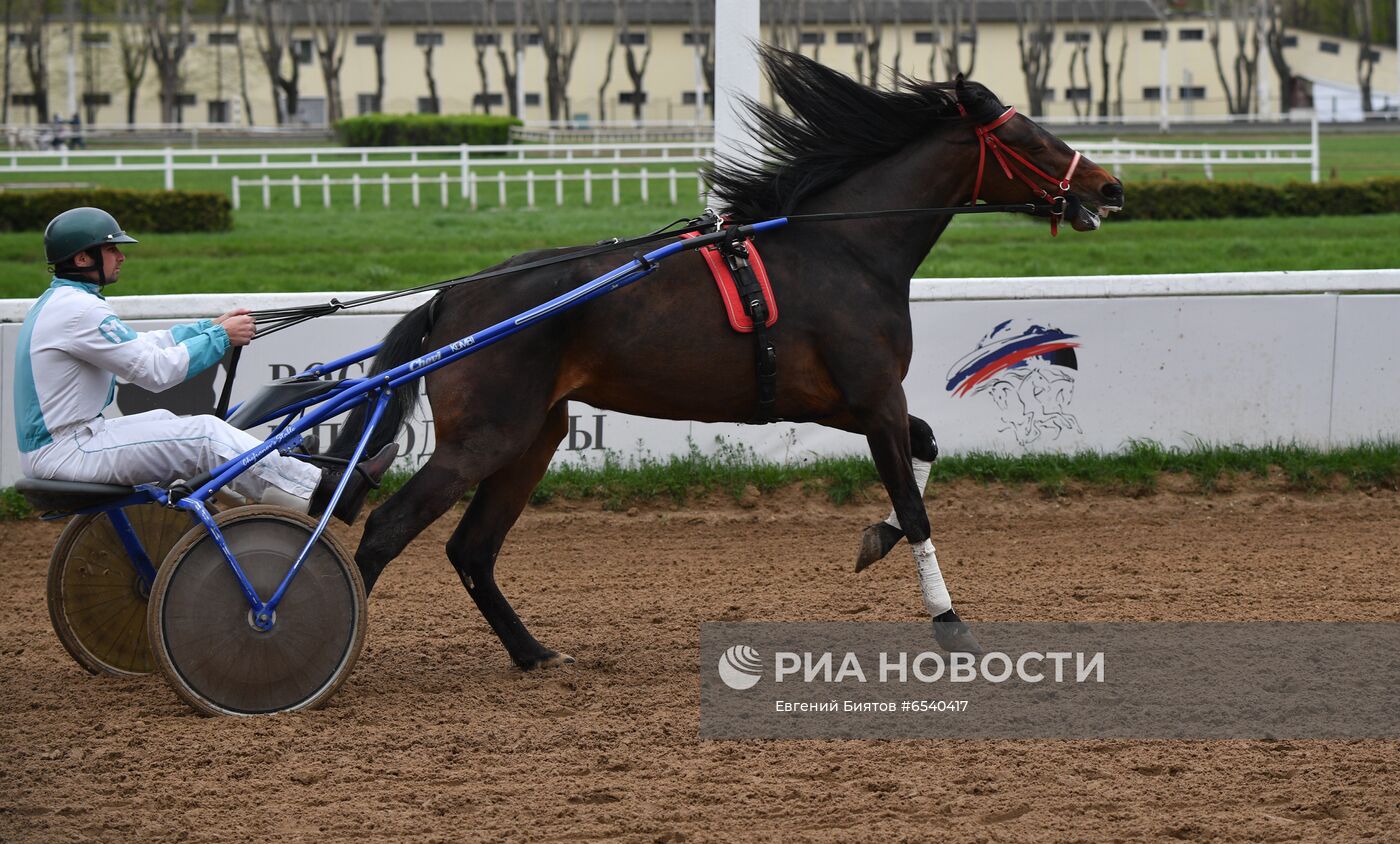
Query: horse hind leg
[[877, 540], [478, 538]]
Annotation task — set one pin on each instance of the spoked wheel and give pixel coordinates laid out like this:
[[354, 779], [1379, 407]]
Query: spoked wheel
[[202, 629], [97, 601]]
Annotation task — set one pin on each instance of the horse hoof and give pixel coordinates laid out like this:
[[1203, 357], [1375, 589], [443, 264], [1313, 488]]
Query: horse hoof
[[876, 542], [549, 660], [953, 635]]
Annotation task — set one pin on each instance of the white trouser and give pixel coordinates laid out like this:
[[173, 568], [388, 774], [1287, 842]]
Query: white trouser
[[159, 447]]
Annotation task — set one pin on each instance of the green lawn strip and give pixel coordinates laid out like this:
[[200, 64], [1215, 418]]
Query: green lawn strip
[[341, 249]]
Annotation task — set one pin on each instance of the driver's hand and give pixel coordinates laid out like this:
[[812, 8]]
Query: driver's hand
[[240, 326]]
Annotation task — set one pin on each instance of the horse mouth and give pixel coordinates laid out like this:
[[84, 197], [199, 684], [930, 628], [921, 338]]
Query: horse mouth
[[1089, 218]]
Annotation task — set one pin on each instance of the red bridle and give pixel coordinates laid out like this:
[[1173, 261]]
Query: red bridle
[[987, 140]]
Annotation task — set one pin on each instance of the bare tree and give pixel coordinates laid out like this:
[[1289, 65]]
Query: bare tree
[[239, 11], [619, 24], [896, 76], [869, 32], [951, 28], [136, 53], [509, 61], [330, 33], [1035, 38], [168, 34], [785, 19], [637, 67], [1103, 29], [429, 45], [1239, 97], [484, 35], [36, 55], [702, 41], [274, 38], [9, 23], [92, 63], [1079, 60], [379, 31], [1276, 33], [558, 24], [1363, 13]]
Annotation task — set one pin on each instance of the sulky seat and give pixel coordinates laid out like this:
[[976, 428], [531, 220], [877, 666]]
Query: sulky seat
[[47, 496]]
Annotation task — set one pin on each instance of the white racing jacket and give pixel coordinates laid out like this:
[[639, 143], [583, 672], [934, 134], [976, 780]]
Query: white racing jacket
[[73, 348]]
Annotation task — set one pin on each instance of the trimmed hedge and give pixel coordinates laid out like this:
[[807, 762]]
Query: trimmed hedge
[[1216, 200], [390, 130], [138, 211]]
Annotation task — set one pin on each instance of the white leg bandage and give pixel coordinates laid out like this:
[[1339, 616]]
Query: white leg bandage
[[936, 598], [922, 468]]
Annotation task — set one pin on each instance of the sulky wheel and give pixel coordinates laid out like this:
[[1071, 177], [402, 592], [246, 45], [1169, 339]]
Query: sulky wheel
[[201, 626], [97, 601]]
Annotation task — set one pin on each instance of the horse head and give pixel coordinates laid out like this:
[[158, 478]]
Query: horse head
[[1019, 161]]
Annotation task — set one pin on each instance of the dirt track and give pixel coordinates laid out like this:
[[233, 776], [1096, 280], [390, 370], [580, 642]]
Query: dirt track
[[437, 737]]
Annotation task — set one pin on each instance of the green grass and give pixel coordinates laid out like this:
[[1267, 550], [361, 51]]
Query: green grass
[[314, 250]]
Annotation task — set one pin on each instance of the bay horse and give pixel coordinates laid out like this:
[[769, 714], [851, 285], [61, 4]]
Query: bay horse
[[662, 348]]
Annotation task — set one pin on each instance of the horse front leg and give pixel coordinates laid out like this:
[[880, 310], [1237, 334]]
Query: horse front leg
[[392, 525], [477, 541], [877, 540], [887, 432]]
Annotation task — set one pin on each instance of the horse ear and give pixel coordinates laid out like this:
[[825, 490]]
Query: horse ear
[[960, 87]]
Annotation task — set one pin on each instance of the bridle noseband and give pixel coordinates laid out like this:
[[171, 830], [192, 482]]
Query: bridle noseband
[[986, 139]]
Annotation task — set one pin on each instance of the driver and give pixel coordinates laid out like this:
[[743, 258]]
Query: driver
[[70, 352]]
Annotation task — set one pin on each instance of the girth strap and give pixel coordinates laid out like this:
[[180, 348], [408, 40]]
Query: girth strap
[[735, 250]]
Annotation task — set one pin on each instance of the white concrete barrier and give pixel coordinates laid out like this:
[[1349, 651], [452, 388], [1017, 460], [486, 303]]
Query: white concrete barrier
[[1006, 365]]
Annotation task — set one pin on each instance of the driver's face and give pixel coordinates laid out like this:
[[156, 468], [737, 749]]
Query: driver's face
[[112, 260]]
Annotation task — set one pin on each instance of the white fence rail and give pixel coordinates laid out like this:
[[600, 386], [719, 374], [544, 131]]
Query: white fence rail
[[537, 158]]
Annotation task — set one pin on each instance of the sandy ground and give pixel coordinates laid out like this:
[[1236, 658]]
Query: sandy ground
[[437, 737]]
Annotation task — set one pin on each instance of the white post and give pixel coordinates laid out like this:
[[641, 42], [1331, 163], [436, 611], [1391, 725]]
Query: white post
[[326, 189], [736, 30], [474, 189], [671, 182], [355, 189], [646, 198], [296, 190], [617, 187], [169, 169], [466, 157], [267, 191], [417, 194], [559, 188], [587, 186], [234, 190], [530, 188], [501, 188], [1316, 152], [386, 190], [442, 180]]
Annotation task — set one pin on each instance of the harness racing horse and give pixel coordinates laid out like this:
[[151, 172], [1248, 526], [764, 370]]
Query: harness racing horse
[[663, 348]]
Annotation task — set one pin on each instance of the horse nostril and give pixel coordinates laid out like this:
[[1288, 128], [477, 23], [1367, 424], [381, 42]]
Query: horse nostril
[[1113, 192]]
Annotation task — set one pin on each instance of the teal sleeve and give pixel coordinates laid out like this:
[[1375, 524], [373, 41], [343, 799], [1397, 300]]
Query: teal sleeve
[[206, 348], [181, 333]]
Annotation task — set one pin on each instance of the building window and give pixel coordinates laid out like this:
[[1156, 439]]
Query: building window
[[303, 50], [1077, 37], [184, 99], [1152, 92], [1193, 92], [428, 105], [483, 39], [688, 38], [218, 111], [368, 39], [427, 39], [1372, 55], [688, 98], [1290, 41], [850, 37], [533, 99], [636, 39], [1077, 94], [20, 38], [94, 98], [97, 39], [223, 39], [489, 99], [632, 98], [813, 38], [1152, 35], [1191, 35], [928, 36], [367, 104], [1329, 47], [23, 99], [1048, 95]]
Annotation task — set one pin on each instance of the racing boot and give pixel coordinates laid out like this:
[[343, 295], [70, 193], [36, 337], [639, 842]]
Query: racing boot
[[368, 474]]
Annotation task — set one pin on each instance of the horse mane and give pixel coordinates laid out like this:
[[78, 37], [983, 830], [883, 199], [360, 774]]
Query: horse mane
[[837, 127]]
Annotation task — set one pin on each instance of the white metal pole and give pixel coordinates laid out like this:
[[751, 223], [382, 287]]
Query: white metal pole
[[736, 33]]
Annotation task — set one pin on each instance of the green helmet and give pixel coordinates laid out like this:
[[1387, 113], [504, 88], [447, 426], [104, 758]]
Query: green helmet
[[81, 228]]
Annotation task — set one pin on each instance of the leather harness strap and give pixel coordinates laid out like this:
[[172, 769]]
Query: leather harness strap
[[987, 139], [735, 250]]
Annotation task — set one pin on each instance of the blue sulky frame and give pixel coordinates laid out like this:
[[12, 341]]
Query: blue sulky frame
[[351, 393]]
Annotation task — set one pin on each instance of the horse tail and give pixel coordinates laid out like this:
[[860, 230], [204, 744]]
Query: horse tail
[[403, 343]]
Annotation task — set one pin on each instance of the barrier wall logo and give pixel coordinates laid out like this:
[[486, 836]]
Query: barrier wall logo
[[1028, 371], [740, 667]]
